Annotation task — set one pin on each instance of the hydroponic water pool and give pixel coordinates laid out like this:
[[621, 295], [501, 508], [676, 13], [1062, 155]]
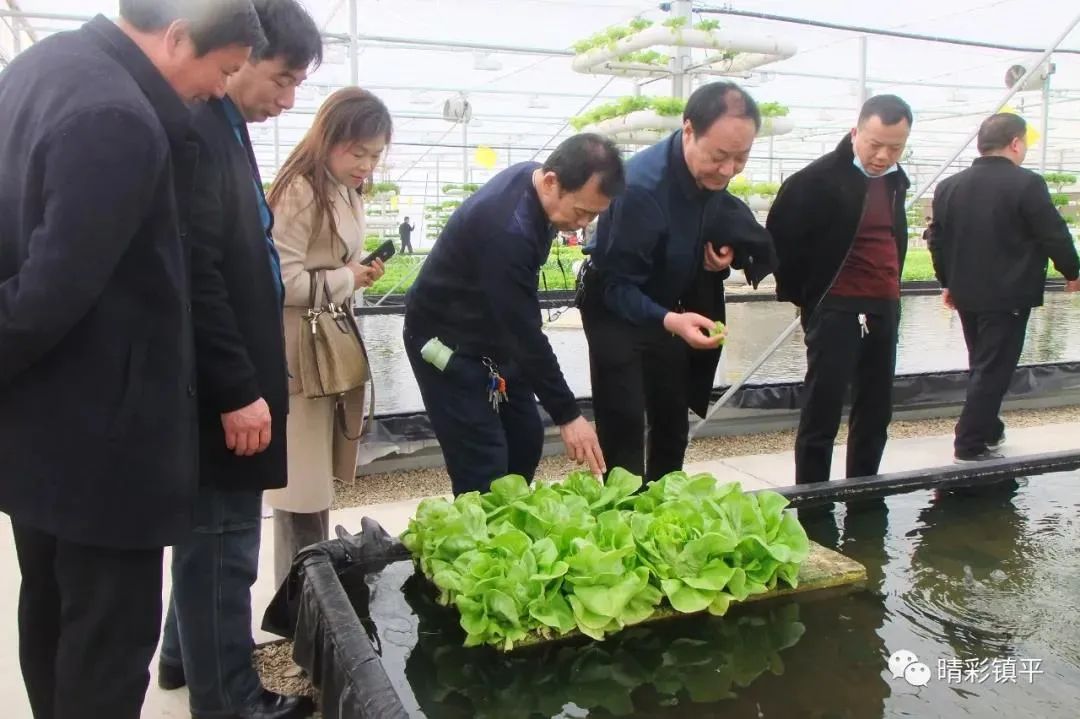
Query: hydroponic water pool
[[970, 610], [931, 340]]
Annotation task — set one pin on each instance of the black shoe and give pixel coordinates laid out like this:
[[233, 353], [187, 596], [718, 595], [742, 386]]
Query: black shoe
[[996, 445], [985, 456], [270, 705], [170, 676]]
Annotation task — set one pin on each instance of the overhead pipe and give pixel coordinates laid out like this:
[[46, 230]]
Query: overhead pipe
[[867, 30]]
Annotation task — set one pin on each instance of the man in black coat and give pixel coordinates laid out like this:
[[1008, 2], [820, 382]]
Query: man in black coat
[[405, 231], [841, 237], [97, 375], [242, 381], [994, 228]]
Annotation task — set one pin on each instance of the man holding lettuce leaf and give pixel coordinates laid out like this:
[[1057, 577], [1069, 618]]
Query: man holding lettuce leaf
[[473, 329]]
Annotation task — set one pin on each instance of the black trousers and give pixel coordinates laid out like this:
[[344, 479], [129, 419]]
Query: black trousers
[[839, 353], [994, 342], [639, 388], [89, 620], [478, 443], [406, 245]]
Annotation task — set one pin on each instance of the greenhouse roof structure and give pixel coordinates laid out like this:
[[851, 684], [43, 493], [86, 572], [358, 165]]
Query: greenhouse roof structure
[[513, 61]]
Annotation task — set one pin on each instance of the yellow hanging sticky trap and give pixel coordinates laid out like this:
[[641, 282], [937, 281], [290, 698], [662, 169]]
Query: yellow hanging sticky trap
[[1033, 136], [393, 202], [486, 157]]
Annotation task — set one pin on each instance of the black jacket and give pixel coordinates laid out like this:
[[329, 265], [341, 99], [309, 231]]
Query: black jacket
[[994, 228], [239, 339], [97, 372], [728, 222], [814, 219]]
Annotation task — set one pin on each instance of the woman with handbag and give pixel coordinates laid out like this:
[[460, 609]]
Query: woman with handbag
[[319, 233]]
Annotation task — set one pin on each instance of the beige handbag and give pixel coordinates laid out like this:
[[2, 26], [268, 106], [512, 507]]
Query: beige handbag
[[333, 359]]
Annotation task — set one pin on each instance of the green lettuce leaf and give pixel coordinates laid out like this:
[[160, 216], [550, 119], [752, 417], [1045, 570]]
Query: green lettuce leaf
[[598, 557]]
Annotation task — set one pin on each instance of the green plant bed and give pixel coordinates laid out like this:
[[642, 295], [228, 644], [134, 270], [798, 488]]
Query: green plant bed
[[531, 564], [918, 267], [663, 106], [398, 267]]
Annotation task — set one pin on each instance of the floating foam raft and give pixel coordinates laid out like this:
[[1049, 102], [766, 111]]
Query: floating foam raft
[[823, 569]]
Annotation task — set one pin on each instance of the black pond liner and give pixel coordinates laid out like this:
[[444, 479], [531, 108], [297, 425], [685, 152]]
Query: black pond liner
[[343, 654], [912, 391]]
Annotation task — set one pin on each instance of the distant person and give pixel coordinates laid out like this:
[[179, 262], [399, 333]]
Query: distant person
[[995, 226], [405, 231], [926, 231], [841, 236], [472, 318], [98, 435], [237, 298], [318, 205]]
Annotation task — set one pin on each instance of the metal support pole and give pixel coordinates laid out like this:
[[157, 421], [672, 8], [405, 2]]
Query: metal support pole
[[1045, 140], [354, 43], [464, 154], [918, 194], [772, 147], [681, 9], [864, 95]]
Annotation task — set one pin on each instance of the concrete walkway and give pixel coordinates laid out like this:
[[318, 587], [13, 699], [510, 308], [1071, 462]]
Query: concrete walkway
[[754, 472]]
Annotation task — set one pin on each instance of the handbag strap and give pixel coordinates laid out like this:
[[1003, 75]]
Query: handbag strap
[[340, 405], [318, 282]]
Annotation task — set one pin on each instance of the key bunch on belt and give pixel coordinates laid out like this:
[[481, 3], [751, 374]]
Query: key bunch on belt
[[496, 385]]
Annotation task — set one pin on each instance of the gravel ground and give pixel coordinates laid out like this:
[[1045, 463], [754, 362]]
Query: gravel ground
[[397, 486], [274, 662]]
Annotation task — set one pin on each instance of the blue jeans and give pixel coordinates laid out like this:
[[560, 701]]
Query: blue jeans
[[478, 443], [208, 624]]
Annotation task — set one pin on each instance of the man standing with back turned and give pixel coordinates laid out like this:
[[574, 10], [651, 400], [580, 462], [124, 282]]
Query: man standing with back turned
[[97, 372], [840, 230], [994, 228]]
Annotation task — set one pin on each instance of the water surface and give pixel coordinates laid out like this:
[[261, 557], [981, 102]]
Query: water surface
[[982, 586], [931, 340]]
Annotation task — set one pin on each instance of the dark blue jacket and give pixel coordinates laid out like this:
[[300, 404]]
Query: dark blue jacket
[[477, 291], [98, 438], [648, 245]]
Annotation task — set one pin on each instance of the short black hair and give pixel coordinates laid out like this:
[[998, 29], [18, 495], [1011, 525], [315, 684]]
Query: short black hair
[[890, 108], [291, 34], [215, 24], [582, 156], [998, 131], [710, 102]]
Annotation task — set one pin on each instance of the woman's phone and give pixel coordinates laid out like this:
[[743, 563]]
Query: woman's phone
[[384, 252]]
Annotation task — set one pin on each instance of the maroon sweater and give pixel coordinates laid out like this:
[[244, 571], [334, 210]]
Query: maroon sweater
[[872, 269]]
